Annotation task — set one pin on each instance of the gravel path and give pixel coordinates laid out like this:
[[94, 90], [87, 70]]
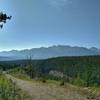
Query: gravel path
[[44, 91]]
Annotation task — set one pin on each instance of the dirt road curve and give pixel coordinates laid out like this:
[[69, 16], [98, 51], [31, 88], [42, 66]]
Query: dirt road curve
[[43, 91]]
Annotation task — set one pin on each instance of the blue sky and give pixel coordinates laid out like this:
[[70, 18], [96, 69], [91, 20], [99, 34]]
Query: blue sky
[[37, 23]]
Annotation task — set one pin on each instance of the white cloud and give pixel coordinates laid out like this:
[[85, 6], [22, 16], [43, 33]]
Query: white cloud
[[59, 3]]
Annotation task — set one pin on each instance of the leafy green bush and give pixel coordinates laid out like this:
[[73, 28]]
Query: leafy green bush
[[62, 83], [9, 90]]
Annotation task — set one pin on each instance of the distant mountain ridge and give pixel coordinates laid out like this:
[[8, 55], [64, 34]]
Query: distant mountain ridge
[[49, 52]]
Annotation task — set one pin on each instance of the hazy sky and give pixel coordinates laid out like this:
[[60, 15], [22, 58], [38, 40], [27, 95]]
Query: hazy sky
[[38, 23]]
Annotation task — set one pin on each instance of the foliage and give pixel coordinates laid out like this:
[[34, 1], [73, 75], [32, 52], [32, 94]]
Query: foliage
[[9, 90], [82, 71], [62, 83]]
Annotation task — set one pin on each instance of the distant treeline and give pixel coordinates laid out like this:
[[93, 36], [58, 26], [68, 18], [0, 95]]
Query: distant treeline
[[82, 70]]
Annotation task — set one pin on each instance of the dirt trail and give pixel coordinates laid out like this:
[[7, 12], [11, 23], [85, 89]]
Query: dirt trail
[[43, 91]]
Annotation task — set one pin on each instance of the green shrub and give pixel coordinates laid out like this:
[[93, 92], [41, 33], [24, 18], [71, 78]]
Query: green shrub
[[43, 80], [9, 90], [79, 82], [62, 83]]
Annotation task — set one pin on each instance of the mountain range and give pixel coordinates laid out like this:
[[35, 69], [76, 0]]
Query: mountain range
[[49, 52]]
